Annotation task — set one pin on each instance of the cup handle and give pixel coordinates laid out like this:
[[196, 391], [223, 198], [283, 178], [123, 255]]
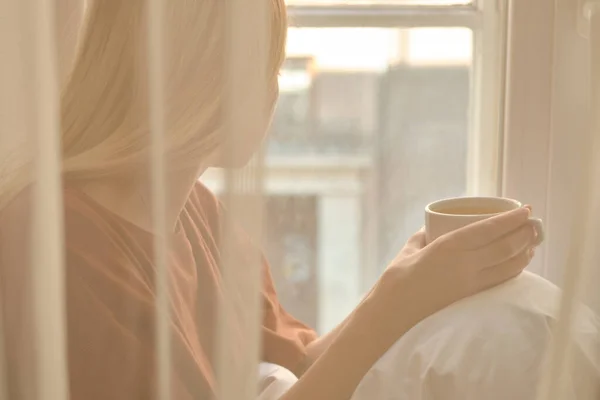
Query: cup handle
[[538, 224]]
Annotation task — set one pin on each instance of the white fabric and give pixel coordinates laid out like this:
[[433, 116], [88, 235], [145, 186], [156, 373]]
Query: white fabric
[[487, 347], [273, 381]]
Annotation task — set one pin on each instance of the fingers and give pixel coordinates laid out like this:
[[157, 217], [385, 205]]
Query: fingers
[[503, 249], [418, 239], [492, 276], [489, 230], [415, 243]]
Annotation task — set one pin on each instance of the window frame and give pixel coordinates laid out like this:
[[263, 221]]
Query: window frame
[[384, 16], [516, 96], [548, 123], [488, 21], [528, 117]]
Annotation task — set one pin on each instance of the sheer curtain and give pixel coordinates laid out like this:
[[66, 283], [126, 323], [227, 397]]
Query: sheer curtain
[[37, 39], [583, 251], [37, 45]]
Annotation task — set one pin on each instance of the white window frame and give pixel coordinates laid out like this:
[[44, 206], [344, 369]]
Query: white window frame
[[547, 122], [528, 112], [522, 98], [384, 16], [487, 19]]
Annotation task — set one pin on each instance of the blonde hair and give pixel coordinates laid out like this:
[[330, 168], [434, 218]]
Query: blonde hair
[[103, 113]]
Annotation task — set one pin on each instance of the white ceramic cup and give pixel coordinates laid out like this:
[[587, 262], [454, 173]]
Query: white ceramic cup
[[447, 215]]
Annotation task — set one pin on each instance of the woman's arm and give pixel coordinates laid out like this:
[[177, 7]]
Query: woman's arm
[[341, 358], [416, 285], [318, 347], [322, 343]]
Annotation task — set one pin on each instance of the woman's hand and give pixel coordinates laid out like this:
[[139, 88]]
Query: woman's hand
[[420, 281], [462, 262]]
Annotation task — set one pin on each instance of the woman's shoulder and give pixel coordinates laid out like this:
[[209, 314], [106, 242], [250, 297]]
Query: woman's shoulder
[[207, 210], [202, 197], [83, 222], [204, 207], [21, 209], [98, 248]]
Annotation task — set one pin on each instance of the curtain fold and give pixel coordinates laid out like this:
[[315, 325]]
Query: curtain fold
[[584, 234]]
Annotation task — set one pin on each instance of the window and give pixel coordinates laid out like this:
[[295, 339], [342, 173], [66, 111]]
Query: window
[[381, 110], [387, 105]]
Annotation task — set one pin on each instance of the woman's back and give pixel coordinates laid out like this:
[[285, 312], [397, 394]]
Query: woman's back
[[110, 296]]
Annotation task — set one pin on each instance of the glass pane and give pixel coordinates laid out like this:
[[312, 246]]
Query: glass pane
[[371, 125], [383, 2]]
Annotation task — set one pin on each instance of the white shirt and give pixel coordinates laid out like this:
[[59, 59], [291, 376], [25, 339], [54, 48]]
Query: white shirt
[[487, 347]]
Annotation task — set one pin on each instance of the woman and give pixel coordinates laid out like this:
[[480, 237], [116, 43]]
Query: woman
[[110, 270]]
